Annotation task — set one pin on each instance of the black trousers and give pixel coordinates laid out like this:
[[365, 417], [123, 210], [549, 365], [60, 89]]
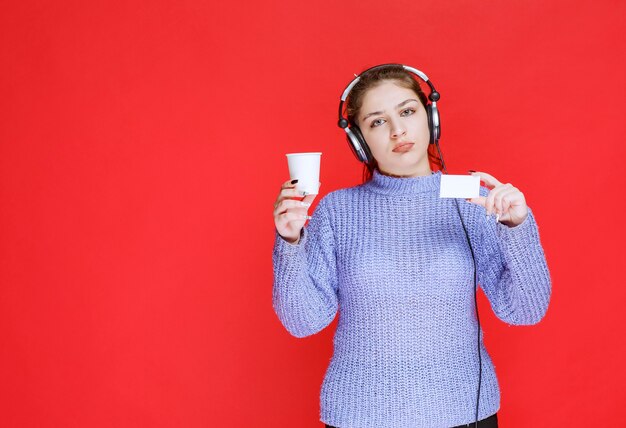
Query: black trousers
[[490, 422]]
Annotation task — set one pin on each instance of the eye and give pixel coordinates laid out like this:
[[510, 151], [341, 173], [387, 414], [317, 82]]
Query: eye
[[376, 123], [407, 112]]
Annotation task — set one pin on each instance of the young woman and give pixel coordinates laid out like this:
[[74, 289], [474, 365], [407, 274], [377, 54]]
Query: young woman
[[398, 262]]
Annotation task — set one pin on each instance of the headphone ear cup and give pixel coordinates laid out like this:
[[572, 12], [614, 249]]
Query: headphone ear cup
[[358, 145], [434, 124], [366, 149], [429, 113], [351, 144]]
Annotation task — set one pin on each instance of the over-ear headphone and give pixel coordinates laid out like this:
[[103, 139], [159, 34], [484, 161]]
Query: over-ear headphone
[[353, 133]]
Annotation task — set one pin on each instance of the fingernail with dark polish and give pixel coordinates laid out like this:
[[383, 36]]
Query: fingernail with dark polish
[[471, 171], [294, 181]]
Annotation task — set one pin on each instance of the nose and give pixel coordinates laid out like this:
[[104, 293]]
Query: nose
[[397, 129]]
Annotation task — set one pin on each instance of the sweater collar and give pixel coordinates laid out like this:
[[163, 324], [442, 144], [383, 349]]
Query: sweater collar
[[387, 185]]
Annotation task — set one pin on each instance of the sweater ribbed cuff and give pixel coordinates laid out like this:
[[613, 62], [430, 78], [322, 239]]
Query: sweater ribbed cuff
[[521, 231], [283, 246], [521, 243]]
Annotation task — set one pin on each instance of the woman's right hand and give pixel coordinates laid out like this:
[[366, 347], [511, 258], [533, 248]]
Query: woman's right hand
[[291, 212]]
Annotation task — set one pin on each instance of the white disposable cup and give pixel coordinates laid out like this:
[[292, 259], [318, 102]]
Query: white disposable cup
[[305, 167]]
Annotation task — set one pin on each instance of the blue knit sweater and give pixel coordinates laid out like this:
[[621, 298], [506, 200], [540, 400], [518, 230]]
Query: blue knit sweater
[[392, 258]]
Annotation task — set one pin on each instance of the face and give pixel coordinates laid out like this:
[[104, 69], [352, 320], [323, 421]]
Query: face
[[394, 124]]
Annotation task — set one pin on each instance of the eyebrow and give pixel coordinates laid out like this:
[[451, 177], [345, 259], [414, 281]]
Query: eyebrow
[[374, 113]]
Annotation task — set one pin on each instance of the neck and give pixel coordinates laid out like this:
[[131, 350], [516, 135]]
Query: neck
[[426, 172]]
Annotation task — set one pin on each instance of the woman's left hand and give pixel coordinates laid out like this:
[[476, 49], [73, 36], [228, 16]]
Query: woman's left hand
[[504, 200]]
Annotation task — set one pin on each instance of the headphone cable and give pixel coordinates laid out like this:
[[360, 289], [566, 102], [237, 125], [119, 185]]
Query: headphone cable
[[480, 364]]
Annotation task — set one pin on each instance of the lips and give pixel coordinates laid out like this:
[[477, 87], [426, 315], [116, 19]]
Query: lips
[[403, 147]]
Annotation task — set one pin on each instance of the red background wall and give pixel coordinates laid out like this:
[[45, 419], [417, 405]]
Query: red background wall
[[142, 147]]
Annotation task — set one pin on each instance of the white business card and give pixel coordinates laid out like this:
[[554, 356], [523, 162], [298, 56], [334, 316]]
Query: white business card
[[459, 186]]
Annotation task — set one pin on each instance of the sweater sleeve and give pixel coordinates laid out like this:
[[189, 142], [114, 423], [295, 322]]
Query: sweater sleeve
[[512, 270], [304, 293]]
